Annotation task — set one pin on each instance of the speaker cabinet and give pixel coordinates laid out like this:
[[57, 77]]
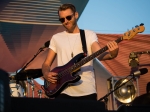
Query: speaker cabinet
[[4, 92]]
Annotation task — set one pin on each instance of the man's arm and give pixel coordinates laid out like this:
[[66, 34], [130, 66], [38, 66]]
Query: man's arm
[[112, 47], [46, 66]]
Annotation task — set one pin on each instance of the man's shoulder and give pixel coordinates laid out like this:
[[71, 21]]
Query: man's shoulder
[[88, 31]]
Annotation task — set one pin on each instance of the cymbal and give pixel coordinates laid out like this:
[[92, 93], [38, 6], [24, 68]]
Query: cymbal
[[29, 73]]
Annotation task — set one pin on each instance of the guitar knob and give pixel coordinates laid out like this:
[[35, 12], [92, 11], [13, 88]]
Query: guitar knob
[[136, 26]]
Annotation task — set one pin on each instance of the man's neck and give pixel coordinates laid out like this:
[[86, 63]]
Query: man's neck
[[75, 30]]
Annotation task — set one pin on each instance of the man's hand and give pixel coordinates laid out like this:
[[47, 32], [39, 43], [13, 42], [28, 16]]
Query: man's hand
[[51, 77], [113, 49]]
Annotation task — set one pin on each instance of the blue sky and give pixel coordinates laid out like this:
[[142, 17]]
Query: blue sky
[[115, 16]]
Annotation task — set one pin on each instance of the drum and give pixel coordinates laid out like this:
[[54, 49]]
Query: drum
[[17, 89]]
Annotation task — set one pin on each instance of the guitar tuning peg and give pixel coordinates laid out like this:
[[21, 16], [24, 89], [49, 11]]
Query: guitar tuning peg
[[128, 32], [141, 24], [133, 29], [136, 26]]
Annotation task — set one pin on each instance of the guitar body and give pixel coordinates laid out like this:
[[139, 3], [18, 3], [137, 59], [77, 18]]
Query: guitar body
[[53, 89]]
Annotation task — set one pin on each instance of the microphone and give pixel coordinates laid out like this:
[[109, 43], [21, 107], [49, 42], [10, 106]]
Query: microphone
[[46, 44], [141, 71]]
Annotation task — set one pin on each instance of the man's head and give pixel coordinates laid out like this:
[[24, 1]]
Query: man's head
[[67, 6], [68, 16]]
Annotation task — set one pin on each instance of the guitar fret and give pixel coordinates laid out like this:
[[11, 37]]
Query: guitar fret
[[119, 40], [97, 53]]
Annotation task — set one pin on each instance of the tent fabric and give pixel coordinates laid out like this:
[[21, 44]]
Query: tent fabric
[[13, 57]]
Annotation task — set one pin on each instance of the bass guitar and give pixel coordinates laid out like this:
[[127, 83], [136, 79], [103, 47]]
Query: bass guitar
[[66, 73]]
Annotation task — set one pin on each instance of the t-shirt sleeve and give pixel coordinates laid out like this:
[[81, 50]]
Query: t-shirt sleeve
[[52, 44], [93, 37]]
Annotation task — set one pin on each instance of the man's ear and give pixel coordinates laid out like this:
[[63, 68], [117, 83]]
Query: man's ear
[[76, 15]]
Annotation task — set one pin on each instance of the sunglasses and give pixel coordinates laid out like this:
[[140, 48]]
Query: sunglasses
[[62, 20]]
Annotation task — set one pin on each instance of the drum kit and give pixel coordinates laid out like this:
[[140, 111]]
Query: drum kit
[[20, 82]]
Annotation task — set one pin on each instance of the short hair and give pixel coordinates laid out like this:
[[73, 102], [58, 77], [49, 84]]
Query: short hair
[[67, 6]]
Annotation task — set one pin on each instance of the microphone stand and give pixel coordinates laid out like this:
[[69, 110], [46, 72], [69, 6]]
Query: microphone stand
[[105, 97], [40, 50]]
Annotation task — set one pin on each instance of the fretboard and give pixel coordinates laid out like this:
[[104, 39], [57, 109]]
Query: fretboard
[[92, 56]]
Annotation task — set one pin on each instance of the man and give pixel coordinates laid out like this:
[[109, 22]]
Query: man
[[66, 45]]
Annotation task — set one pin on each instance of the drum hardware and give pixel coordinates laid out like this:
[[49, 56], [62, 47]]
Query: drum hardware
[[17, 89], [133, 59], [28, 80], [28, 74], [124, 91], [32, 87], [127, 92], [143, 52], [40, 93], [11, 92], [117, 87], [135, 65], [23, 75], [17, 86], [31, 82]]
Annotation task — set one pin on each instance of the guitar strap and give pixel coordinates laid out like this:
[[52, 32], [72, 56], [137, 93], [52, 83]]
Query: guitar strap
[[82, 35]]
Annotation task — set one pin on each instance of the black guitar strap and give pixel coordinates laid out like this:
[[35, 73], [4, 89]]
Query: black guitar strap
[[82, 34]]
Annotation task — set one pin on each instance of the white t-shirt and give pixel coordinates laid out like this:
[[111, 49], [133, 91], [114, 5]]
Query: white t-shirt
[[64, 44]]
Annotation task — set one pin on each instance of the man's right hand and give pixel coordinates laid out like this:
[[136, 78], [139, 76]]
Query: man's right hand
[[51, 77]]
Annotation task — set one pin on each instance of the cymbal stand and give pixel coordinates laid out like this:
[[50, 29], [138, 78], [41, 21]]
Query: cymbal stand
[[40, 93], [11, 92], [31, 82], [105, 97], [32, 87], [28, 80]]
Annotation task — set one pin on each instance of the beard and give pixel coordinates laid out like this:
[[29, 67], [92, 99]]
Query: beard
[[71, 27]]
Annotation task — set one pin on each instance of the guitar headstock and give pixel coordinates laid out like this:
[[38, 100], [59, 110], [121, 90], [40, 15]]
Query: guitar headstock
[[131, 33]]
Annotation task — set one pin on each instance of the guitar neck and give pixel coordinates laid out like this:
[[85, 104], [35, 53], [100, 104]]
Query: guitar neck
[[92, 56]]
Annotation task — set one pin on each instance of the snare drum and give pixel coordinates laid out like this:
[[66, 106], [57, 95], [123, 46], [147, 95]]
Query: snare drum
[[17, 89]]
